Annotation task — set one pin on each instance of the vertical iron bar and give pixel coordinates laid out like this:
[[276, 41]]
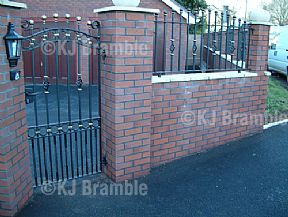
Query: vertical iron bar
[[172, 47], [98, 150], [33, 76], [39, 157], [227, 35], [71, 150], [220, 40], [248, 50], [79, 85], [155, 43], [187, 38], [201, 42], [195, 40], [180, 40], [90, 70], [91, 145], [208, 39], [99, 94], [46, 92], [238, 43], [60, 132], [44, 159], [35, 104], [86, 151], [69, 99], [164, 40], [56, 156], [56, 35], [66, 154], [233, 42], [45, 82], [34, 161], [244, 45], [76, 152], [214, 46]]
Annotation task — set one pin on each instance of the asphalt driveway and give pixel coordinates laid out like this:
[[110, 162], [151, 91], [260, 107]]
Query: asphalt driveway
[[248, 178]]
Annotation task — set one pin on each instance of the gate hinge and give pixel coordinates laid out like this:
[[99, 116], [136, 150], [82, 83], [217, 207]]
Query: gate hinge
[[104, 55], [104, 161]]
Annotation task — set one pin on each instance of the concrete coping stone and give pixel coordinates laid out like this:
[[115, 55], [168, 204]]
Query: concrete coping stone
[[126, 8], [201, 76], [13, 4]]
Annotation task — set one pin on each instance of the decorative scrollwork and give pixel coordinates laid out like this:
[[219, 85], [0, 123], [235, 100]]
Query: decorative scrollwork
[[56, 34], [214, 47], [232, 47], [172, 47], [95, 24], [194, 48], [79, 82], [46, 84], [25, 24]]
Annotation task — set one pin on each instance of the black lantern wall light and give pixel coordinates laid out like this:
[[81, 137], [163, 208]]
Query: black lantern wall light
[[13, 45]]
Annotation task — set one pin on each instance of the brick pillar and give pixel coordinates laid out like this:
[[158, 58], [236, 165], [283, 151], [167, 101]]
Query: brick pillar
[[257, 62], [259, 45], [126, 92], [15, 174]]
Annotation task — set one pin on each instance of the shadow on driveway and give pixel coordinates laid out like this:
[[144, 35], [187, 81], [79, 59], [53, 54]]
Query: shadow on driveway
[[248, 178]]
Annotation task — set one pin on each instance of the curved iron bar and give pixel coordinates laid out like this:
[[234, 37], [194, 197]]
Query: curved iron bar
[[39, 43], [59, 30]]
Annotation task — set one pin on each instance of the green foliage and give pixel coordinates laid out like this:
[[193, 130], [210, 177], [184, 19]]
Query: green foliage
[[277, 101], [193, 4]]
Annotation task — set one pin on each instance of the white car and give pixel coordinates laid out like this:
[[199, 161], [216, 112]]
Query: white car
[[278, 50]]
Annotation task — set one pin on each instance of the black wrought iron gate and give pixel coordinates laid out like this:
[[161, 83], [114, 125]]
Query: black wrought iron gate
[[62, 72]]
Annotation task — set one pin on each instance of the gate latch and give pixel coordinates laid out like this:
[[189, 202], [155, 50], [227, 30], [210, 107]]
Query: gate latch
[[30, 95]]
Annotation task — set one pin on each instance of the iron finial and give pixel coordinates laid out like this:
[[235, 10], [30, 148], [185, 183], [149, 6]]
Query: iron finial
[[44, 17]]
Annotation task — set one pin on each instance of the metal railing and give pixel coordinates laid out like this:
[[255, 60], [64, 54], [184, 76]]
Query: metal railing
[[200, 42]]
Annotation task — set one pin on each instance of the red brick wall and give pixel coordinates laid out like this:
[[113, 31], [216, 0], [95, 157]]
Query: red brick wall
[[178, 108], [15, 174], [173, 138]]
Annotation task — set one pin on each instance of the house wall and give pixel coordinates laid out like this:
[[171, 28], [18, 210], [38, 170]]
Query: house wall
[[15, 172]]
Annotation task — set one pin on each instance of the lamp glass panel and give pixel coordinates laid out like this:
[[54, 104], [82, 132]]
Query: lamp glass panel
[[14, 48], [18, 48]]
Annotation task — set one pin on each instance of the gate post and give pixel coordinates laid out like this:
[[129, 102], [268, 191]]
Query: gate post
[[258, 55], [15, 174], [127, 37]]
